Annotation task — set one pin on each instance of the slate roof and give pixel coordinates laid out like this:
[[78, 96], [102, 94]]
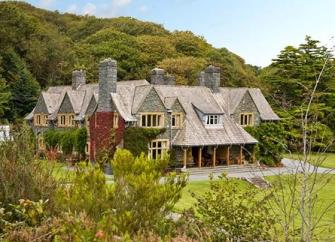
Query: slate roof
[[193, 99], [230, 98]]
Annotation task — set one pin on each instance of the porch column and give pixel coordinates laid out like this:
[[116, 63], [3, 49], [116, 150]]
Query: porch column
[[214, 156], [185, 158], [199, 156], [241, 153], [228, 155], [253, 155]]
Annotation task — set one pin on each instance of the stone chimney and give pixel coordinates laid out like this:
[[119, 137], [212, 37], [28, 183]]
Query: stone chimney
[[78, 79], [210, 78], [158, 77], [107, 84]]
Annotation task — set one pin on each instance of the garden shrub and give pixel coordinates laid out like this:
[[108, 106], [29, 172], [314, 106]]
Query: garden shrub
[[80, 141], [88, 192], [272, 142], [142, 197], [68, 140], [21, 176], [230, 213]]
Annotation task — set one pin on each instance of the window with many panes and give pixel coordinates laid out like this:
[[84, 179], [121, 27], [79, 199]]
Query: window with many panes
[[40, 120], [158, 148], [247, 119], [176, 120], [152, 120], [212, 119], [66, 120]]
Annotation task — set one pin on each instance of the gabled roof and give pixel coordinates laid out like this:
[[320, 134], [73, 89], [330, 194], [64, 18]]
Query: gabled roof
[[263, 106], [130, 96], [76, 99], [230, 98], [50, 100]]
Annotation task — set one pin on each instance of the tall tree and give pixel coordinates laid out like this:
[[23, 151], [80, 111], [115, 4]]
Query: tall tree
[[23, 87]]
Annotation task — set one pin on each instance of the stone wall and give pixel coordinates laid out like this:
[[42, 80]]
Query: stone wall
[[153, 103], [107, 84], [78, 79], [66, 106], [41, 106], [247, 105]]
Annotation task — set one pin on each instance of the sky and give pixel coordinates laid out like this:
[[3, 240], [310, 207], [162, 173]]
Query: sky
[[256, 30]]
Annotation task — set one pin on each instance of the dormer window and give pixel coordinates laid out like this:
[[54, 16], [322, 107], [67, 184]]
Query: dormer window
[[212, 119]]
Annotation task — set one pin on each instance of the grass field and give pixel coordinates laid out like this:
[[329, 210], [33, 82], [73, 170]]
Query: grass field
[[325, 160], [325, 197]]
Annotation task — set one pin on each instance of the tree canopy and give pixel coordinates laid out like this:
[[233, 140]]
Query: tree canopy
[[48, 46]]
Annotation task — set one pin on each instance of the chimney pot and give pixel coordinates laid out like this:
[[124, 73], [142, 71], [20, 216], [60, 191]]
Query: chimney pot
[[78, 79], [107, 84], [210, 78]]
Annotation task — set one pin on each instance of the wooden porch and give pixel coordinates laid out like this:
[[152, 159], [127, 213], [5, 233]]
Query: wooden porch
[[212, 156]]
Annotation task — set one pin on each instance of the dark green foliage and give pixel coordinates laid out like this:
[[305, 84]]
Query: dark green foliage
[[136, 139], [291, 78], [52, 138], [4, 96], [81, 141], [272, 142], [48, 46], [68, 140], [24, 89], [232, 213]]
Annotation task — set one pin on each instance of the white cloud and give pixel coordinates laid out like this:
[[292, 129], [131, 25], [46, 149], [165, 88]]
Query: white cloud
[[112, 8], [45, 3], [73, 8], [143, 9], [89, 9], [121, 3]]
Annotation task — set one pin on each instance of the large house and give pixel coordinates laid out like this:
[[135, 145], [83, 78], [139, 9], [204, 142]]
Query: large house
[[203, 124]]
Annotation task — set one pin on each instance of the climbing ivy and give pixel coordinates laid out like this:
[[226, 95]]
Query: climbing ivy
[[136, 139], [68, 140], [272, 142]]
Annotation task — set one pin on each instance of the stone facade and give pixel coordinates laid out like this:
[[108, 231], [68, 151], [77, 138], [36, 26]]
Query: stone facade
[[66, 106], [153, 103], [210, 78], [107, 84], [247, 105], [158, 77], [78, 79]]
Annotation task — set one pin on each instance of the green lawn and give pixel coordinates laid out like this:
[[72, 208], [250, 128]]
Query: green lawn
[[325, 197], [60, 170], [325, 160]]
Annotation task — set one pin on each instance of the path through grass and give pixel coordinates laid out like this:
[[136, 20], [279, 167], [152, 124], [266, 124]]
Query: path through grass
[[326, 160]]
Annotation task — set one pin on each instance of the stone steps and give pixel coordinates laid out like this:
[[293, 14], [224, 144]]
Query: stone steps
[[222, 169], [259, 182]]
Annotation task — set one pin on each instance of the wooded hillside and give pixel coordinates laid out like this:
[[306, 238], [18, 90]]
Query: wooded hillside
[[39, 48]]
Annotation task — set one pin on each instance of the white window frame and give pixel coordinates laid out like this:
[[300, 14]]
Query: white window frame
[[212, 119], [158, 148]]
